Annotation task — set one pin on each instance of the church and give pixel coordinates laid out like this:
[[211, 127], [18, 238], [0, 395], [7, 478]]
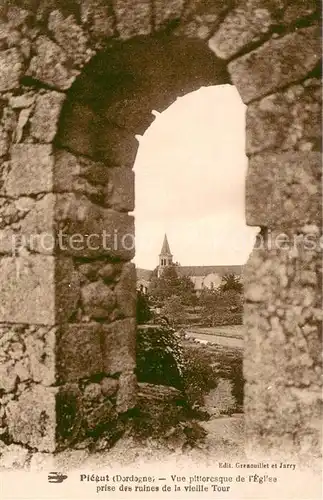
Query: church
[[202, 276]]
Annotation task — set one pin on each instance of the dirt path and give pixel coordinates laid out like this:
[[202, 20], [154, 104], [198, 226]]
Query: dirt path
[[216, 339]]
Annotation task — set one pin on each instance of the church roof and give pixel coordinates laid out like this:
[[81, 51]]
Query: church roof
[[205, 270], [165, 248]]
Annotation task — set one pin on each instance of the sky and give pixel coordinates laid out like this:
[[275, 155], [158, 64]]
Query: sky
[[189, 182]]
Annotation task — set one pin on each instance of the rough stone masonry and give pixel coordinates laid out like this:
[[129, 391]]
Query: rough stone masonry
[[67, 310]]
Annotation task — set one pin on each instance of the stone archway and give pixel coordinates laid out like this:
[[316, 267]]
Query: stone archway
[[48, 191]]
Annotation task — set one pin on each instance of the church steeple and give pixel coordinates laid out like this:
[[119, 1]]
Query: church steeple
[[165, 256]]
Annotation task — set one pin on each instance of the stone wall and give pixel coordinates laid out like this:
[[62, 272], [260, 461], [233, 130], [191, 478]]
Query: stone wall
[[67, 310]]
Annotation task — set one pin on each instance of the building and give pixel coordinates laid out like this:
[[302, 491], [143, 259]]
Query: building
[[202, 276]]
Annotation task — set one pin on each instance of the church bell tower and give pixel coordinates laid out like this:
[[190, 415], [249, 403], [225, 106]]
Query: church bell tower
[[165, 257]]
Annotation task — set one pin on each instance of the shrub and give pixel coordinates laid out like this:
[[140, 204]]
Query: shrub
[[159, 356], [198, 375], [206, 366], [143, 313]]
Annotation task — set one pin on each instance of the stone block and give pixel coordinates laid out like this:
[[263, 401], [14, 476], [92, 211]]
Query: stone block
[[92, 392], [14, 456], [27, 290], [160, 407], [125, 291], [283, 433], [40, 345], [30, 170], [276, 355], [44, 121], [133, 113], [35, 225], [86, 132], [32, 418], [200, 18], [100, 415], [108, 272], [241, 27], [12, 68], [133, 17], [83, 339], [68, 34], [69, 416], [284, 190], [4, 142], [27, 355], [67, 287], [166, 12], [283, 315], [88, 230], [90, 270], [80, 175], [98, 18], [285, 120], [22, 101], [98, 300], [127, 393], [119, 345], [109, 386], [120, 193], [27, 224], [297, 10], [50, 65], [276, 64]]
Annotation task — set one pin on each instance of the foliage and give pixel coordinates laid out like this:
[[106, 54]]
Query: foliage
[[231, 282], [205, 366], [199, 376], [173, 310], [143, 313], [170, 284], [159, 356], [221, 307]]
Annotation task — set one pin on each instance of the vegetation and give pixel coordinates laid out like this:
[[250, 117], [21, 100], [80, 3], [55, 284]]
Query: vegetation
[[179, 303], [194, 369], [143, 311], [173, 310], [206, 366], [170, 284], [231, 282], [159, 356], [221, 307]]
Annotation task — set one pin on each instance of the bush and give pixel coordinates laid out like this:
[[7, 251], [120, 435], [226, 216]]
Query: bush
[[143, 313], [198, 375], [159, 356], [205, 366]]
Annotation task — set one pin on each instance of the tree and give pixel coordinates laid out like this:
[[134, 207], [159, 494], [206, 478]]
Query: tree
[[173, 310], [231, 282], [170, 284], [222, 307]]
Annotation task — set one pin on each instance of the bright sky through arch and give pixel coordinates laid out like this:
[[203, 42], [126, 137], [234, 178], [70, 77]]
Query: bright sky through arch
[[190, 174]]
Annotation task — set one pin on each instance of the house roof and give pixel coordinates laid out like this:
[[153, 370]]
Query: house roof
[[205, 270], [165, 248], [143, 274]]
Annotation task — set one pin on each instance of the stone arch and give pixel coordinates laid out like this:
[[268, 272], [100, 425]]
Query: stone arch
[[271, 52]]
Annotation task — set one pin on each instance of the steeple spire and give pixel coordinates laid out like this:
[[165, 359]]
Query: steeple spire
[[165, 256], [165, 248]]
